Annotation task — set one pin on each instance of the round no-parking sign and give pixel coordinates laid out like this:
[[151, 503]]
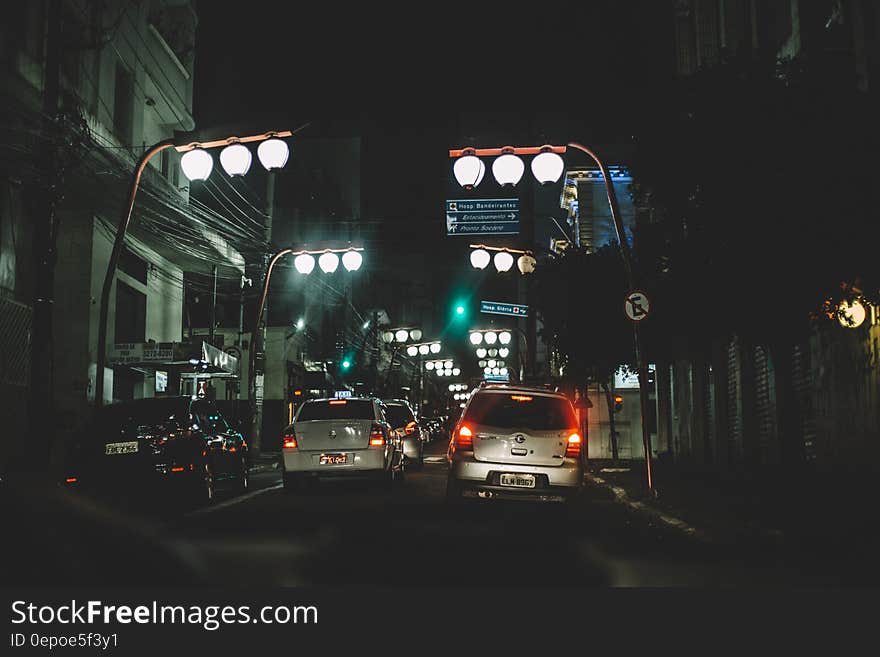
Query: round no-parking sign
[[636, 306]]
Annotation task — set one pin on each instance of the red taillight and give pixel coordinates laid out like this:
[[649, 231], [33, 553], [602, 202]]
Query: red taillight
[[410, 427], [71, 480], [573, 447], [178, 468], [377, 436], [290, 440], [464, 438]]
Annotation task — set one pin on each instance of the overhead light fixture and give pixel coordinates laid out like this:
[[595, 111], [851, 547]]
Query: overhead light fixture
[[415, 334], [236, 159], [304, 263], [503, 261], [328, 262], [504, 337], [476, 338], [273, 153], [352, 260], [401, 335], [197, 164], [435, 348], [490, 337], [481, 352], [388, 336], [469, 171], [412, 350], [547, 166], [508, 168], [424, 349], [480, 258]]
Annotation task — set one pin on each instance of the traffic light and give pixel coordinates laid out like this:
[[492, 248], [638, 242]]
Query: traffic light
[[618, 402], [346, 364], [459, 310]]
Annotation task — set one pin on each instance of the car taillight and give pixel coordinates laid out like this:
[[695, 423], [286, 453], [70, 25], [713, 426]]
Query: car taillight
[[410, 427], [290, 440], [377, 436], [464, 438], [573, 447]]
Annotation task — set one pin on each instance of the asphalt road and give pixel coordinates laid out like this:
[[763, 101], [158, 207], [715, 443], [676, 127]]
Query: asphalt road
[[358, 533]]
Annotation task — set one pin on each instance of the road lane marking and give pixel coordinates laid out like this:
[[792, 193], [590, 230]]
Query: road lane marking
[[234, 500]]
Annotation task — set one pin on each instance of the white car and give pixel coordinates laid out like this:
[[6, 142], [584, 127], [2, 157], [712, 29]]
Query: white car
[[515, 442], [340, 437]]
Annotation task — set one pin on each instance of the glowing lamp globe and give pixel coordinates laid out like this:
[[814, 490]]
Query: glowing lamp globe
[[851, 314], [448, 365], [526, 264], [273, 153], [401, 335], [388, 336], [415, 334], [429, 365], [197, 164], [412, 351], [352, 260], [508, 169], [476, 338], [328, 262], [491, 338], [236, 159], [547, 167], [469, 171], [504, 337], [424, 349], [304, 263], [493, 353], [481, 352], [503, 352], [435, 348], [456, 371], [503, 261], [480, 258], [452, 387]]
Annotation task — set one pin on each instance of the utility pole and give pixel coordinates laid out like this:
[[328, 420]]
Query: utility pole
[[40, 402], [258, 337]]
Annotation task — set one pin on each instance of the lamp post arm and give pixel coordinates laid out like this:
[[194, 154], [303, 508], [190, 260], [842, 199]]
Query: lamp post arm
[[110, 274], [615, 211]]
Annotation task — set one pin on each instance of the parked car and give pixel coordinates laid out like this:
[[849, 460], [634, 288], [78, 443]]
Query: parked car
[[403, 420], [143, 443], [340, 437], [515, 442]]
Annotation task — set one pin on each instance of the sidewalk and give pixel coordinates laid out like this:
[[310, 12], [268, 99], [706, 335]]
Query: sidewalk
[[829, 515]]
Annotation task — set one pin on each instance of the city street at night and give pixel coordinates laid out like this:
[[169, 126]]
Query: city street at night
[[471, 322]]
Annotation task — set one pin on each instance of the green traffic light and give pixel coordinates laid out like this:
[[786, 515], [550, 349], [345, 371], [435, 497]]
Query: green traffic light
[[346, 364], [459, 310]]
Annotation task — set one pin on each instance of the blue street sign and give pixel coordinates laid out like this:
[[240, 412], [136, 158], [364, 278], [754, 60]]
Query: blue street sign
[[500, 308], [486, 216]]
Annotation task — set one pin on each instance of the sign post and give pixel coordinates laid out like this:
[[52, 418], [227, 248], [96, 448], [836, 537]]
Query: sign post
[[502, 308], [491, 216]]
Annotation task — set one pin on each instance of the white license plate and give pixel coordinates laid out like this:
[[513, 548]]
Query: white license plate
[[121, 448], [332, 459], [518, 480]]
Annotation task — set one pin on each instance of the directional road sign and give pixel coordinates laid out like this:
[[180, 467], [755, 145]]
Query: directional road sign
[[500, 308], [636, 306], [488, 216]]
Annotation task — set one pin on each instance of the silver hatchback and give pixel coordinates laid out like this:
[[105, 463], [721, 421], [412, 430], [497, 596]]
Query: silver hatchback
[[515, 442]]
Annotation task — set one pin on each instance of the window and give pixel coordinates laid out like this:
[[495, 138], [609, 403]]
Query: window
[[133, 265], [521, 411], [131, 314], [123, 104], [337, 409], [398, 415]]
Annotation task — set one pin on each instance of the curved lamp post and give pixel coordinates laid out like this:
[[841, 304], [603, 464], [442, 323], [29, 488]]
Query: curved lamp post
[[547, 167], [304, 262], [197, 164]]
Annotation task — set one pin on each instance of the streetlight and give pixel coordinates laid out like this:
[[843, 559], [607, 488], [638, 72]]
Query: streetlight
[[546, 170], [197, 164], [503, 259]]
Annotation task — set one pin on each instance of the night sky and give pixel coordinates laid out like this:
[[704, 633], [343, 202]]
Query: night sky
[[419, 80]]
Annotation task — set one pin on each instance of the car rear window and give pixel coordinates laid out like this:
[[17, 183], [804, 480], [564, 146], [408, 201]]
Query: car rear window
[[398, 415], [337, 409], [521, 411]]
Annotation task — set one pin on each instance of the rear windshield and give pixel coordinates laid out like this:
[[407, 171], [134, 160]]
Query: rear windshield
[[343, 409], [398, 415], [521, 411]]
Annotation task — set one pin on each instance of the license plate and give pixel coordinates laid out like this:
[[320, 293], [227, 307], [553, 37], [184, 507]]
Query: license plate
[[518, 480], [121, 448], [332, 459]]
